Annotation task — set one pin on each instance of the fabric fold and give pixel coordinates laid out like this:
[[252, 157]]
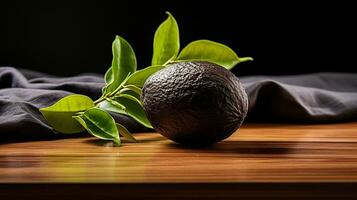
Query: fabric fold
[[311, 98]]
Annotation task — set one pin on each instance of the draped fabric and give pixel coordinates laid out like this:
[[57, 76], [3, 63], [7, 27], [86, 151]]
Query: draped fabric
[[312, 98]]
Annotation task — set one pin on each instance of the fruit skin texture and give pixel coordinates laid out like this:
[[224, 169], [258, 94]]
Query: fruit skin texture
[[195, 103]]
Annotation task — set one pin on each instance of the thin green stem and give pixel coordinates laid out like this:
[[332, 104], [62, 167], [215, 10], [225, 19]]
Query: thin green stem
[[244, 59], [99, 100]]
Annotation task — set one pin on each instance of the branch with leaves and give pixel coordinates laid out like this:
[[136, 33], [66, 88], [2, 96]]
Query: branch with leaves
[[123, 84]]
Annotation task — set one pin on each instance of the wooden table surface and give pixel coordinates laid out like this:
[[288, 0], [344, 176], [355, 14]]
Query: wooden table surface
[[259, 160]]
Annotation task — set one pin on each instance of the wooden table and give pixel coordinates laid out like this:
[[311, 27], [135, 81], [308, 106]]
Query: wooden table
[[259, 161]]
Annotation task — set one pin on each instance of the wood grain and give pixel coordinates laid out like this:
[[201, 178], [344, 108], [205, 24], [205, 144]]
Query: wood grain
[[261, 154]]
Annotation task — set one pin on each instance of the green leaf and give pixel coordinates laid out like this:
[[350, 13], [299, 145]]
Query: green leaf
[[134, 110], [130, 97], [112, 103], [125, 133], [100, 124], [59, 115], [131, 108], [130, 93], [166, 41], [108, 76], [109, 105], [205, 50], [139, 77], [133, 88], [123, 64]]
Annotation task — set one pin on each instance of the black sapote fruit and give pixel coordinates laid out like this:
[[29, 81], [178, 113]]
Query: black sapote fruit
[[195, 103]]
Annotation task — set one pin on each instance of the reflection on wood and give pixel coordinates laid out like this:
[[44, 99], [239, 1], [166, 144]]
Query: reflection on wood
[[257, 153]]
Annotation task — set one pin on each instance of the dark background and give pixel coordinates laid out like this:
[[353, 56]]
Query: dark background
[[70, 37]]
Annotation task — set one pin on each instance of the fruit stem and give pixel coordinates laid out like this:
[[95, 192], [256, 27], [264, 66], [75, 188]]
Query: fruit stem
[[244, 59], [99, 100]]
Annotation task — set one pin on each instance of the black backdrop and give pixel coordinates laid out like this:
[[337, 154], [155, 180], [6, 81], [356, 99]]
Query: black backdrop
[[70, 37]]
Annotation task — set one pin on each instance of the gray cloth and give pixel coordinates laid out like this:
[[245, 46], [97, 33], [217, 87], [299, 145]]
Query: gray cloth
[[311, 98], [314, 98], [23, 92]]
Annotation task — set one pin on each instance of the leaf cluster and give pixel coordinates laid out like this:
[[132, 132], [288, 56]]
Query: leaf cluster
[[123, 84]]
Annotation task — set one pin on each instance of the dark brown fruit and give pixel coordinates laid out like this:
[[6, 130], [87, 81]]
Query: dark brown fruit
[[195, 103]]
